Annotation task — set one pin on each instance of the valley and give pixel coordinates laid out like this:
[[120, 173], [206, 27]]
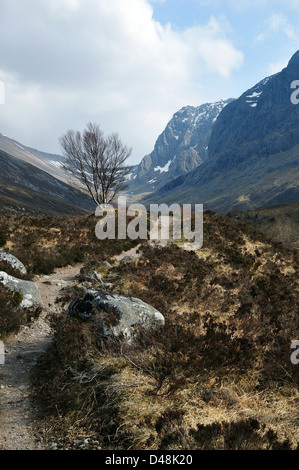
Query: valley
[[129, 343]]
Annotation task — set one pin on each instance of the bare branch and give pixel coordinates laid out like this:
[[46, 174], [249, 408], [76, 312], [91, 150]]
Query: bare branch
[[97, 162]]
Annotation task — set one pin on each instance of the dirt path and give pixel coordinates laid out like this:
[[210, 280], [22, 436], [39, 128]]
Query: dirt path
[[17, 431], [22, 351]]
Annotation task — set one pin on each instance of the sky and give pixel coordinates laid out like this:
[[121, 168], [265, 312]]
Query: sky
[[129, 65]]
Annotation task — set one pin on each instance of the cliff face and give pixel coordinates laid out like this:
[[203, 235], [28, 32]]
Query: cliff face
[[181, 147], [253, 151], [262, 122]]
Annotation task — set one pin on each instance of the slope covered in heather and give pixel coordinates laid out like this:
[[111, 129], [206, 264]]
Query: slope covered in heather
[[218, 375]]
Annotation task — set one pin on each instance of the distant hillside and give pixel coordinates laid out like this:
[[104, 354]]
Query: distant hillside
[[50, 163], [181, 147], [25, 189], [280, 223]]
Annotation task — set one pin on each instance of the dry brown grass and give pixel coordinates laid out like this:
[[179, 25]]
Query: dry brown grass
[[218, 375]]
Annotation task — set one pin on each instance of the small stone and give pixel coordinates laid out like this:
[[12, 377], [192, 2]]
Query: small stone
[[127, 259], [107, 264]]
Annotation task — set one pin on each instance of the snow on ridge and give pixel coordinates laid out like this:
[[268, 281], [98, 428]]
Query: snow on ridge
[[196, 115], [55, 163], [20, 146], [257, 92], [165, 169], [265, 81]]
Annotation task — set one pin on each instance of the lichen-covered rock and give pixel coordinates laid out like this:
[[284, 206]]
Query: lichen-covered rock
[[13, 261], [32, 301], [115, 314]]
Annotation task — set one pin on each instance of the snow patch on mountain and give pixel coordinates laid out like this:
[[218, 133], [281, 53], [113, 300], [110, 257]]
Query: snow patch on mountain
[[255, 93], [165, 169]]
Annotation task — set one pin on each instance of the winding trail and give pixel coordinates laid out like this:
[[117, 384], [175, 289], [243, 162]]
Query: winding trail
[[17, 429]]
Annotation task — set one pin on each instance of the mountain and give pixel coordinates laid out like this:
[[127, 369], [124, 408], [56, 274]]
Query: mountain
[[50, 163], [253, 151], [181, 147], [25, 189]]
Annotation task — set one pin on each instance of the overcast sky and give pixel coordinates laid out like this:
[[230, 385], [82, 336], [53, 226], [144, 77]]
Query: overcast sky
[[129, 65]]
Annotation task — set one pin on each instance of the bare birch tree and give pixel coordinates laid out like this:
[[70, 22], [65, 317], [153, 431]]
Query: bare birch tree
[[97, 162]]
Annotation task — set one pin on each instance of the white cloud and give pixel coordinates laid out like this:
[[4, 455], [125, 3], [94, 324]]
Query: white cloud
[[67, 62], [277, 66], [277, 24], [243, 5], [214, 51]]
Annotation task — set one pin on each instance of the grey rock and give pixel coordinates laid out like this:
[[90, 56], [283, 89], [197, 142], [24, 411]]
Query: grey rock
[[96, 276], [107, 264], [31, 355], [107, 285], [88, 284], [13, 261], [127, 259], [32, 301], [115, 314], [57, 282]]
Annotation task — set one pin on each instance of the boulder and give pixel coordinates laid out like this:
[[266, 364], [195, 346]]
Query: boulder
[[13, 261], [127, 259], [32, 301], [115, 314]]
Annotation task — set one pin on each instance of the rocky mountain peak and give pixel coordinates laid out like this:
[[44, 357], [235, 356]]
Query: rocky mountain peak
[[294, 61], [180, 148]]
